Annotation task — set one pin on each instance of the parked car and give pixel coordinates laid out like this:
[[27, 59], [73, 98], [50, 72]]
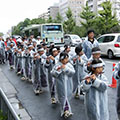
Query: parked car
[[72, 39], [83, 39], [110, 44]]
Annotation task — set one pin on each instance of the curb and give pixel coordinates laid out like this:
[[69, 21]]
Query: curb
[[11, 94]]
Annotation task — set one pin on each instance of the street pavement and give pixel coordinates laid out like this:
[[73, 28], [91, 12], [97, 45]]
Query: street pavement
[[40, 108]]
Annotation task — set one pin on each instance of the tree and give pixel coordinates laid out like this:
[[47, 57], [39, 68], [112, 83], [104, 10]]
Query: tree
[[37, 21], [88, 17], [50, 20], [70, 23], [17, 29], [21, 25], [106, 20], [26, 22], [80, 31], [58, 18], [1, 34]]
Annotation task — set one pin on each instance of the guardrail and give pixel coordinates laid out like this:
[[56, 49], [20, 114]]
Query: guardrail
[[7, 108]]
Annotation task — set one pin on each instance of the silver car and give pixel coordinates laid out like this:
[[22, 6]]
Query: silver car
[[110, 44], [72, 39]]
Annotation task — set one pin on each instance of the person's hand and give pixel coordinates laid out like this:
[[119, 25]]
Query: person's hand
[[93, 76], [52, 58], [58, 69], [38, 57], [8, 48], [63, 66], [74, 60], [88, 80], [19, 52], [88, 64]]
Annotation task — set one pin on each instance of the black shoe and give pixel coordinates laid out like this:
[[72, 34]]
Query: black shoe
[[82, 93]]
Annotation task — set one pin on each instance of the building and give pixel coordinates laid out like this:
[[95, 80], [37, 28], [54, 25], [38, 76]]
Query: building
[[75, 5], [44, 16], [116, 8], [53, 11], [95, 6]]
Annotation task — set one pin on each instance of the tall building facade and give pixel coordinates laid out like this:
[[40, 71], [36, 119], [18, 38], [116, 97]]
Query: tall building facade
[[95, 6], [75, 5], [44, 16], [116, 8], [53, 11]]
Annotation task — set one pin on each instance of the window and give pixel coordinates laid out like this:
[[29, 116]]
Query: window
[[108, 38], [65, 37], [101, 39], [118, 40]]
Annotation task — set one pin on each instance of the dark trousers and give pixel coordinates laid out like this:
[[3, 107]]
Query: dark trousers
[[11, 59]]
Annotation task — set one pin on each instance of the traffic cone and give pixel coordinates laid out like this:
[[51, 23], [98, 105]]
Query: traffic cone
[[114, 81]]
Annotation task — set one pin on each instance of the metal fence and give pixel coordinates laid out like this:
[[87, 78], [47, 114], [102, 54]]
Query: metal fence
[[7, 108]]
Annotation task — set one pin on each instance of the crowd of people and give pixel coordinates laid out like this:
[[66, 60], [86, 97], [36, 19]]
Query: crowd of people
[[66, 73]]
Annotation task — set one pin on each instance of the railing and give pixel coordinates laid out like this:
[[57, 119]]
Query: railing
[[7, 108]]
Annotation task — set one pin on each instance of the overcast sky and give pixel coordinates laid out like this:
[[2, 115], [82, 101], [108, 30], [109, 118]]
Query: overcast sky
[[14, 11]]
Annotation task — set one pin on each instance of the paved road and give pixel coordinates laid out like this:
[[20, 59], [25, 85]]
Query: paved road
[[40, 108]]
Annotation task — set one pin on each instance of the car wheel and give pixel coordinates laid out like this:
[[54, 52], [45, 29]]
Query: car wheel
[[110, 54]]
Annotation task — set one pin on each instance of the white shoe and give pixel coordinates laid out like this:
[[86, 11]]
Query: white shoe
[[18, 73], [23, 78], [36, 92], [67, 114], [53, 101]]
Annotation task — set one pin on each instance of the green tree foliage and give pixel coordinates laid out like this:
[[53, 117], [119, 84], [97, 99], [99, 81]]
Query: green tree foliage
[[106, 21], [2, 116], [88, 17], [80, 31], [58, 18], [70, 23], [37, 21], [50, 20], [1, 34], [17, 29]]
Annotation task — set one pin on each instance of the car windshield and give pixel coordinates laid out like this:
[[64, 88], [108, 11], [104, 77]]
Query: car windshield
[[118, 40], [75, 37]]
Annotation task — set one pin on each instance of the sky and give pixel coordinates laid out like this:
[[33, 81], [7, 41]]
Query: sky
[[14, 11]]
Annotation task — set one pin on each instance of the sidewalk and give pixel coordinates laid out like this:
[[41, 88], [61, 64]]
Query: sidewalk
[[11, 94]]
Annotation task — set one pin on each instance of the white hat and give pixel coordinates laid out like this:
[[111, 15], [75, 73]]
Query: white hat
[[40, 49], [96, 52], [38, 36], [54, 49], [97, 65], [30, 45], [19, 40]]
